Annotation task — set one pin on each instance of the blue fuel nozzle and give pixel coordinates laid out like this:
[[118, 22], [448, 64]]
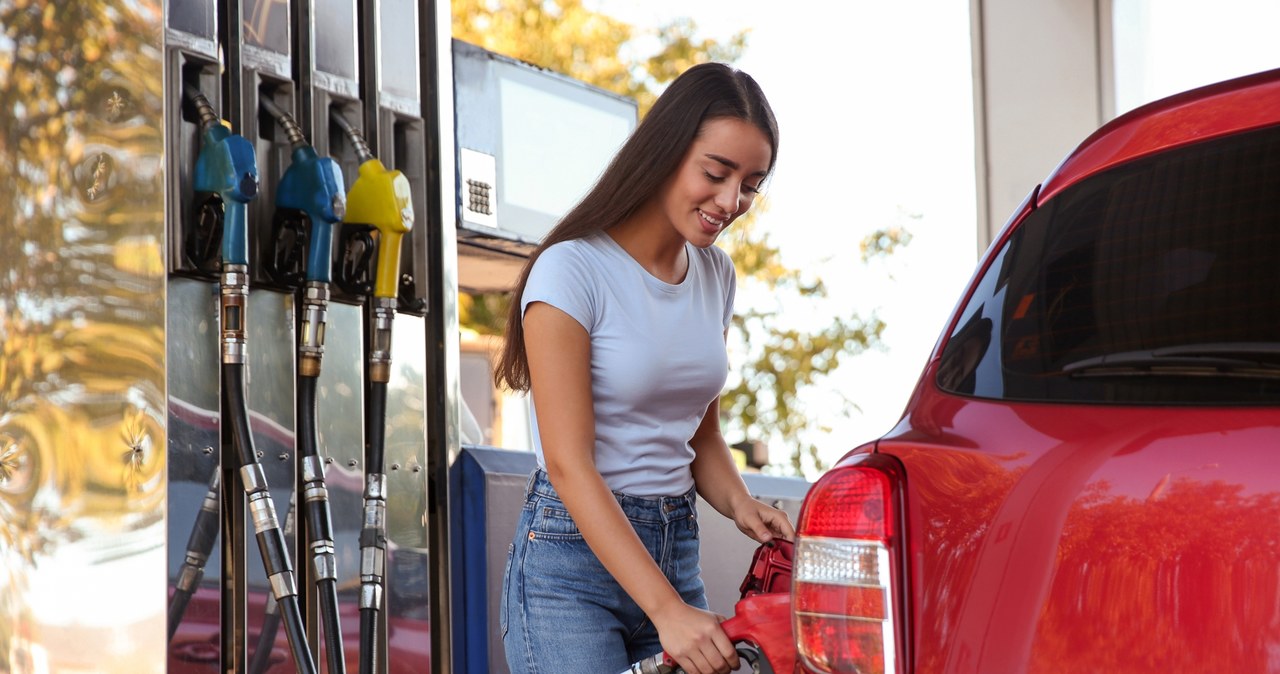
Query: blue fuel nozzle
[[314, 185], [228, 167]]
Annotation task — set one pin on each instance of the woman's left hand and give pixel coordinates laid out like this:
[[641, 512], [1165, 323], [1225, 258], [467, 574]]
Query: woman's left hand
[[762, 522]]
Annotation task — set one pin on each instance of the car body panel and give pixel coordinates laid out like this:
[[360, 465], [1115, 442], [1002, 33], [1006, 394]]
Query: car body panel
[[1026, 526], [1087, 537], [1192, 116]]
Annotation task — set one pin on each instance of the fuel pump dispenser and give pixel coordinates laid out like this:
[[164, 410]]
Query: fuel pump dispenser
[[171, 201], [195, 501], [381, 198], [312, 189], [227, 168]]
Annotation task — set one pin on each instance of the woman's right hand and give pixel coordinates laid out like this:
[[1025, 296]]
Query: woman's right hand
[[694, 639]]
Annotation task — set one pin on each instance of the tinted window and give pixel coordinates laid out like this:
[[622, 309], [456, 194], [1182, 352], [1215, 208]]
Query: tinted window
[[1157, 282]]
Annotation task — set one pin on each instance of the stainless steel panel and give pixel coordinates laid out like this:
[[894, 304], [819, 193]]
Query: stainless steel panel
[[340, 429], [398, 56], [266, 24], [82, 402], [193, 373], [197, 18], [444, 399], [408, 581], [505, 492], [335, 38], [271, 343]]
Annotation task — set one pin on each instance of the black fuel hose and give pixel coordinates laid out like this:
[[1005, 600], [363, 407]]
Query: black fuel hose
[[199, 546], [319, 524], [261, 658], [271, 543], [373, 533]]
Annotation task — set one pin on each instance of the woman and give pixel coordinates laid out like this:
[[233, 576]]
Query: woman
[[618, 333]]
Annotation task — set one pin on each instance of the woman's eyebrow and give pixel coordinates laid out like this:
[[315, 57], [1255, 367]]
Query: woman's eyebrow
[[730, 163]]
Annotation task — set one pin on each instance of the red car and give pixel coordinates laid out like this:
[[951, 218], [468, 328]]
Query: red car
[[1087, 476]]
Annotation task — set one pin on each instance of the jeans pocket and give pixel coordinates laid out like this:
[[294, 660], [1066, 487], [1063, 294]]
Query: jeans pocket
[[503, 620], [553, 522]]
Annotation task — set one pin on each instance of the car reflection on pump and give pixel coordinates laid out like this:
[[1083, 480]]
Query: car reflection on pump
[[195, 645]]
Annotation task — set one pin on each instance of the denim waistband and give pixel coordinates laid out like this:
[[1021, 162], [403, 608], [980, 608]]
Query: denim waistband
[[644, 508]]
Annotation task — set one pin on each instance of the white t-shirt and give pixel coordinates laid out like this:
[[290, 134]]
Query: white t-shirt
[[657, 354]]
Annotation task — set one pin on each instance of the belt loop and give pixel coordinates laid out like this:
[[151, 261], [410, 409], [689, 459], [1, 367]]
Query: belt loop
[[528, 484]]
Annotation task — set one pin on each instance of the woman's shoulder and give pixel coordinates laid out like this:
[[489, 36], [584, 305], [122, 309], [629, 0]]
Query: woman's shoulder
[[576, 257], [581, 250]]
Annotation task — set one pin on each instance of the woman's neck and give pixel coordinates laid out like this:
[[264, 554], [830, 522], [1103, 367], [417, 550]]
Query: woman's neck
[[653, 244]]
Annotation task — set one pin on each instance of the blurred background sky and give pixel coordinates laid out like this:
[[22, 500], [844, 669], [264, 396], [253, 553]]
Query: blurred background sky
[[875, 106]]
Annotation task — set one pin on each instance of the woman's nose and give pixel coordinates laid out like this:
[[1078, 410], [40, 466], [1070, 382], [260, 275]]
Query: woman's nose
[[728, 200]]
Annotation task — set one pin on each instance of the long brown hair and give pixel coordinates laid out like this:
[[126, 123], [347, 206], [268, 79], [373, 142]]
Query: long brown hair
[[639, 170]]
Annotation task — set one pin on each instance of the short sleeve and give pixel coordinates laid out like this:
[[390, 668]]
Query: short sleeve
[[560, 277], [729, 279]]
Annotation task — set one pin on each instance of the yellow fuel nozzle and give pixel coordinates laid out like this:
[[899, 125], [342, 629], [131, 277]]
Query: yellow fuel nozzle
[[381, 198]]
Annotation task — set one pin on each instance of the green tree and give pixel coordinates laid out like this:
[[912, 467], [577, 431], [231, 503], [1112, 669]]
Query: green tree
[[762, 401]]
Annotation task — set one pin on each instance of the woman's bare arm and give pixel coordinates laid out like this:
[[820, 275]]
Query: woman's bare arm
[[720, 484]]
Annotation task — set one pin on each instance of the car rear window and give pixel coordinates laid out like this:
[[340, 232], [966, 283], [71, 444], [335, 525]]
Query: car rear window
[[1157, 282]]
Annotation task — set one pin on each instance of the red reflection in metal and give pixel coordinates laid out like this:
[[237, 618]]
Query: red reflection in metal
[[195, 648]]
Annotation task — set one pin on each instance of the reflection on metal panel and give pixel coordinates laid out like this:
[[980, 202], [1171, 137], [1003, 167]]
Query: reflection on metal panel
[[398, 49], [408, 615], [340, 429], [82, 410], [195, 565], [193, 17], [266, 24], [335, 38], [271, 345]]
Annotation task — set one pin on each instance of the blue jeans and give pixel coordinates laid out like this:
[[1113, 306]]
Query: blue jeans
[[562, 612]]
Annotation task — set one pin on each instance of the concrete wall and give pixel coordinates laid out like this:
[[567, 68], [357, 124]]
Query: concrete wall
[[1042, 77]]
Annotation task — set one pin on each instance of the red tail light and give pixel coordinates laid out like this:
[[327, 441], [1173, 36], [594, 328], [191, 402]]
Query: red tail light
[[845, 583]]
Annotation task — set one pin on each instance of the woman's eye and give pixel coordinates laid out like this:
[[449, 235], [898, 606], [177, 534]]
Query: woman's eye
[[712, 177], [751, 189]]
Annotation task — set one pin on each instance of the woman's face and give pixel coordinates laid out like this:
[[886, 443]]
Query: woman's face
[[717, 180]]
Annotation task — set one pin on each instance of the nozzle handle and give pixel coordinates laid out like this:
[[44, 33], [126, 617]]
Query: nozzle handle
[[314, 185], [382, 198], [228, 167]]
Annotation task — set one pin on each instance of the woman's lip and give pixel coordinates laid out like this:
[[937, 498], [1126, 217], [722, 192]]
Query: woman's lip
[[712, 219]]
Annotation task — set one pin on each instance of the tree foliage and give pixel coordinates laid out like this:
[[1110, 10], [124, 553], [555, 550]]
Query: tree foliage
[[568, 38], [763, 400]]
